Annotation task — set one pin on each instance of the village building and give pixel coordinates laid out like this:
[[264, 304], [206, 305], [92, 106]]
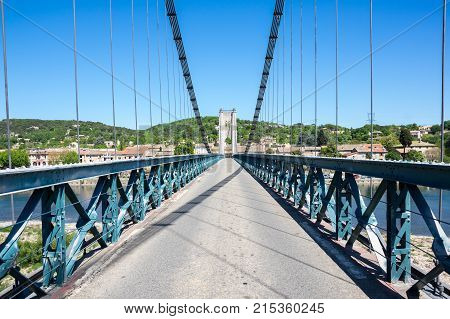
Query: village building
[[362, 151], [422, 147]]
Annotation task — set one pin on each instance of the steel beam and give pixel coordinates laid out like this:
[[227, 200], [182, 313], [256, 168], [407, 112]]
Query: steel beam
[[436, 175], [18, 180]]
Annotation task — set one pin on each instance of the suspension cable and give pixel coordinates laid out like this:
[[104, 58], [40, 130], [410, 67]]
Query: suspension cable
[[278, 86], [8, 122], [269, 96], [147, 29], [172, 15], [284, 56], [337, 72], [291, 23], [174, 84], [273, 96], [5, 76], [184, 98], [277, 15], [75, 66], [179, 89], [159, 71], [315, 77], [134, 80], [112, 77], [444, 26], [371, 82], [167, 78], [301, 75]]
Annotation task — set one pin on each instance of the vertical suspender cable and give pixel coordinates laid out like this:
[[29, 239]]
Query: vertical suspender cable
[[315, 77], [75, 65], [8, 124], [5, 74], [371, 94], [179, 89], [266, 111], [278, 87], [273, 97], [371, 83], [112, 77], [134, 80], [147, 29], [159, 71], [174, 84], [167, 79], [269, 97], [444, 27], [284, 57], [301, 75], [336, 75], [184, 100], [291, 32]]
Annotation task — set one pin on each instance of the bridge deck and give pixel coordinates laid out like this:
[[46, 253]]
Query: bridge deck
[[225, 237]]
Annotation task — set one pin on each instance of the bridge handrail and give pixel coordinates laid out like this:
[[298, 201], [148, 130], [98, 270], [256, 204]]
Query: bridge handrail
[[301, 180], [24, 179], [116, 200], [435, 175]]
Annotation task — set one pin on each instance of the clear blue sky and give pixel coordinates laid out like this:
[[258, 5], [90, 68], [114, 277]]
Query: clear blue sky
[[225, 42]]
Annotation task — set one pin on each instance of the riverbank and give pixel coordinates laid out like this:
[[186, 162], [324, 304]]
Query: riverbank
[[30, 247]]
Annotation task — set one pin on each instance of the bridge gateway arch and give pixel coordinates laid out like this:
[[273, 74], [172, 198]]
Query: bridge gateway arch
[[227, 132]]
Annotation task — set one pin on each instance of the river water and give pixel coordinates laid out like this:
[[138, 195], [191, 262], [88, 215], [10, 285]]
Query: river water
[[84, 193]]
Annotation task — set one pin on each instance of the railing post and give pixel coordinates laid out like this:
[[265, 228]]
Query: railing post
[[110, 212], [314, 196], [287, 177], [398, 221], [54, 236], [343, 208]]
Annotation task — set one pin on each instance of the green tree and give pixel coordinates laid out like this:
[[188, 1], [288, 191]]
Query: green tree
[[329, 151], [228, 140], [389, 141], [393, 155], [447, 147], [19, 158], [435, 129], [184, 148], [405, 139], [415, 156], [70, 157], [322, 138]]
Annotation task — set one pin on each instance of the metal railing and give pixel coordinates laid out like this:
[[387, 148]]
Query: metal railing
[[150, 181], [301, 180]]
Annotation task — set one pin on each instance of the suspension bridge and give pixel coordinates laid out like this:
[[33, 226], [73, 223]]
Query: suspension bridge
[[248, 225]]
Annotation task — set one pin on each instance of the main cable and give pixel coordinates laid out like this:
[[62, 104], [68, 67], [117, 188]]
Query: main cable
[[277, 15], [172, 16]]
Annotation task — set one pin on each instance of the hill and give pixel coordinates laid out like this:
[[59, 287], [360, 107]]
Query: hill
[[33, 133]]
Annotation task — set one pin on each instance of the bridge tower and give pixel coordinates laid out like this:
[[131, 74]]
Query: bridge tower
[[227, 129]]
